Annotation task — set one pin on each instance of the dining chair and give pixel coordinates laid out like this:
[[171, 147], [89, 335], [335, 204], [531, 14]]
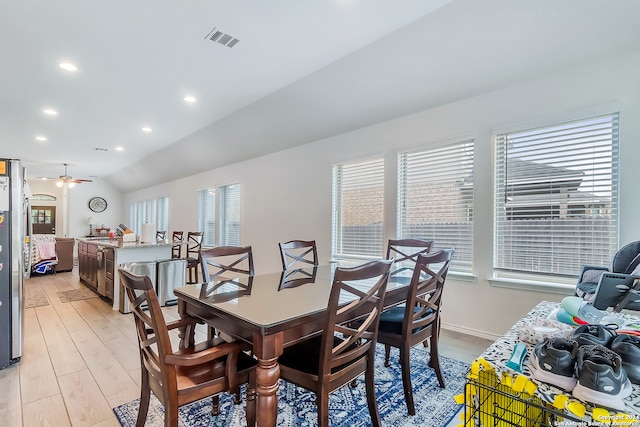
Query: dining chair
[[176, 250], [180, 377], [226, 262], [405, 252], [418, 320], [194, 244], [297, 252], [341, 353], [161, 235]]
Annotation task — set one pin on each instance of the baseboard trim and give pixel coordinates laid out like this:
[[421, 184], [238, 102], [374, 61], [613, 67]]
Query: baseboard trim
[[470, 331]]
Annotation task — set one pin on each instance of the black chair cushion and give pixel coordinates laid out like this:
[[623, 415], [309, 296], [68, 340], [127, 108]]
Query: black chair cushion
[[391, 319], [305, 356]]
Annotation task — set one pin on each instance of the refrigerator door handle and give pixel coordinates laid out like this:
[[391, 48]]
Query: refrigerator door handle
[[28, 235]]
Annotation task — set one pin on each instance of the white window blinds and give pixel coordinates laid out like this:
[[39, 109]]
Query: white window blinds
[[358, 208], [207, 216], [556, 197], [435, 199], [154, 211], [230, 215]]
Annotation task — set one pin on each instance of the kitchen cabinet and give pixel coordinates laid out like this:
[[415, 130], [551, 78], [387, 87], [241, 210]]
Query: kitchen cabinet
[[88, 264]]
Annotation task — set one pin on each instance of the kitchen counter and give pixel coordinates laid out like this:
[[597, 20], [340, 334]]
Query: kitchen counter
[[94, 251]]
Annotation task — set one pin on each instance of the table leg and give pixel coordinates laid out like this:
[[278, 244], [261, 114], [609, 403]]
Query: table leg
[[185, 333], [267, 349]]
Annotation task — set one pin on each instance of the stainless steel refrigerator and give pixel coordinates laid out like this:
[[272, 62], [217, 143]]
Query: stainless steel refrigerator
[[14, 257]]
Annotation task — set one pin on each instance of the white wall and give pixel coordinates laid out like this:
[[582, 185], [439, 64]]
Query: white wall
[[287, 194], [78, 207]]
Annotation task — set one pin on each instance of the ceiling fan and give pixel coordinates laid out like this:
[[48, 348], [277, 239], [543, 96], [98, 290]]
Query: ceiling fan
[[66, 179]]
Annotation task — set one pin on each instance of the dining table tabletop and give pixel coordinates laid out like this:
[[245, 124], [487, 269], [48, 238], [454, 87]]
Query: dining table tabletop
[[270, 312]]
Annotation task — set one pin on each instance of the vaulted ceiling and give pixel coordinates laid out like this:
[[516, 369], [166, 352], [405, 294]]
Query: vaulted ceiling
[[301, 71]]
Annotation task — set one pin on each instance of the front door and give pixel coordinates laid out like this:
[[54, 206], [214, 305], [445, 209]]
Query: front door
[[43, 219]]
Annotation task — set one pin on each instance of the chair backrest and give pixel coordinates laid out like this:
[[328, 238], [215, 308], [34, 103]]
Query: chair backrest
[[626, 259], [226, 262], [424, 296], [407, 249], [176, 250], [194, 243], [153, 336], [161, 235], [298, 252], [356, 293]]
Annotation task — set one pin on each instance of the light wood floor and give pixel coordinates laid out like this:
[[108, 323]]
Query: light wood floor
[[81, 359]]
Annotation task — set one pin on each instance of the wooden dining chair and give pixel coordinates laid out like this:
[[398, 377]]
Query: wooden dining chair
[[180, 377], [161, 235], [341, 353], [418, 320], [298, 252], [226, 262], [194, 244], [405, 252], [176, 250]]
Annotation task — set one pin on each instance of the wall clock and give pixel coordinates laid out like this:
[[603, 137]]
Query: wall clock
[[97, 204]]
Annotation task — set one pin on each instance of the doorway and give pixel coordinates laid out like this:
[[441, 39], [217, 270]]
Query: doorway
[[43, 219]]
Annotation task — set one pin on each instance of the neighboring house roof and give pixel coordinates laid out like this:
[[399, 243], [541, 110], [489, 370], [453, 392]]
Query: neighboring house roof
[[528, 176]]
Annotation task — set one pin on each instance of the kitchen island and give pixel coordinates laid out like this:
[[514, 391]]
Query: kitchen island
[[99, 258]]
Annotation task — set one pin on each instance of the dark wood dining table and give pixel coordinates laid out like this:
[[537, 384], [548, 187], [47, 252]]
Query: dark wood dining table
[[270, 312]]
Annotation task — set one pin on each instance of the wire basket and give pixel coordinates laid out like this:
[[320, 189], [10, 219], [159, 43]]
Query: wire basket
[[490, 403]]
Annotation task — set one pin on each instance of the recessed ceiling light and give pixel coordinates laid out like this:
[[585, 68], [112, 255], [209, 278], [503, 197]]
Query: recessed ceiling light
[[50, 112], [68, 66], [146, 129], [119, 148], [189, 99], [40, 138]]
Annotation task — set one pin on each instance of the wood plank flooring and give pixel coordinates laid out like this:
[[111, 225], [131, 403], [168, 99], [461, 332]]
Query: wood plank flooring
[[81, 359]]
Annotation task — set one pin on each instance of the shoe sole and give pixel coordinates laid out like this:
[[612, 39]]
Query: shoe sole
[[600, 398], [566, 383]]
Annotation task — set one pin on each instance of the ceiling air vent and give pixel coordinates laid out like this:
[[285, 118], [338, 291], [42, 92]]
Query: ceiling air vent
[[222, 38], [101, 149]]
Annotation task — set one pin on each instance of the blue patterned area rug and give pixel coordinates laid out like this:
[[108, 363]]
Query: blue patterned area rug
[[347, 406]]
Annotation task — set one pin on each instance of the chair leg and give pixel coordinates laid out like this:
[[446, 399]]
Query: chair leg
[[215, 405], [170, 415], [434, 361], [251, 400], [387, 355], [322, 400], [371, 393], [406, 378], [145, 395]]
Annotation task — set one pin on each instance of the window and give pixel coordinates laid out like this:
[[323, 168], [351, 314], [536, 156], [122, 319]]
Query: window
[[207, 216], [358, 208], [556, 197], [153, 211], [435, 198], [220, 206]]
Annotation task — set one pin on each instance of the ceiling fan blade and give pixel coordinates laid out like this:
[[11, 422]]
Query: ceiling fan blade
[[80, 180]]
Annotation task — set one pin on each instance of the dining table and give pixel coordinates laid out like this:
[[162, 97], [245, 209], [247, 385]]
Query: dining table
[[270, 312]]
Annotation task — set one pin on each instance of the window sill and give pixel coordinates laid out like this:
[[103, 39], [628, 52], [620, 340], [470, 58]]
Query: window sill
[[533, 285]]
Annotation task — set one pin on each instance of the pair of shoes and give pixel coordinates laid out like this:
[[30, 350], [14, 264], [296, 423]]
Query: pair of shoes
[[601, 378], [592, 372], [628, 348]]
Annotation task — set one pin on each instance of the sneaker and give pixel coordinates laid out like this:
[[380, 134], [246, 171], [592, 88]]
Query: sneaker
[[601, 378], [554, 360], [628, 348], [593, 334]]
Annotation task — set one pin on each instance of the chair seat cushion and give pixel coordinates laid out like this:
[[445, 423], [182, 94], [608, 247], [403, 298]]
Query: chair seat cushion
[[305, 356], [391, 319]]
